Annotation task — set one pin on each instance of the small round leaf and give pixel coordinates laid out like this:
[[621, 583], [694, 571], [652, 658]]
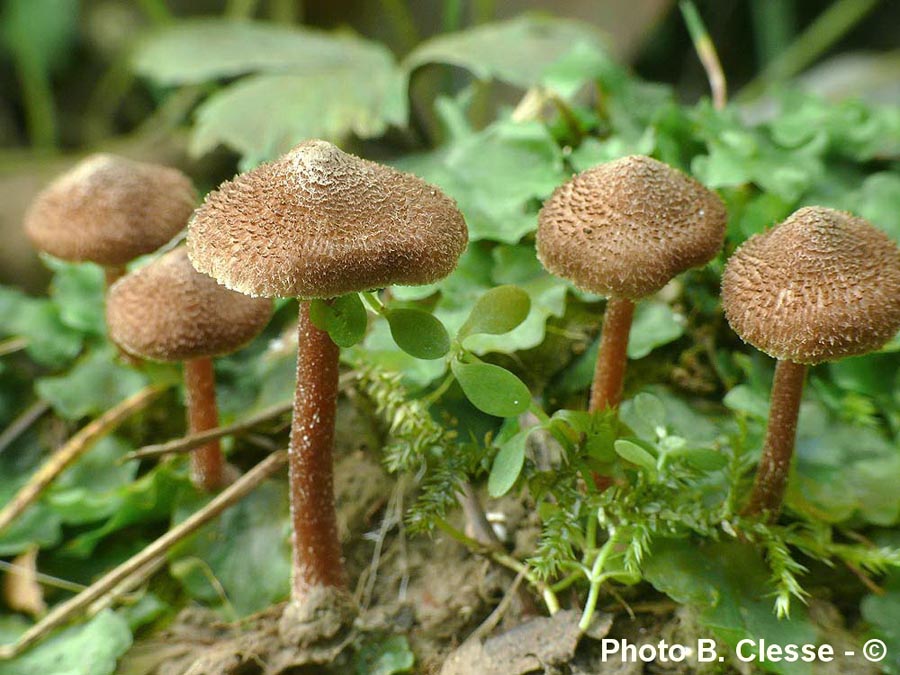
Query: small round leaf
[[418, 333], [635, 454], [492, 389], [508, 464], [344, 318], [496, 312]]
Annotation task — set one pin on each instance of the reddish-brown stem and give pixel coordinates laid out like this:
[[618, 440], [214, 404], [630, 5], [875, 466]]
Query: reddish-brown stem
[[207, 463], [775, 464], [609, 373], [113, 273], [317, 549]]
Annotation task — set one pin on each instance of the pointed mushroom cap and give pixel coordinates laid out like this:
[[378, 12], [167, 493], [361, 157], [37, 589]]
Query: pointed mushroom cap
[[167, 311], [822, 285], [626, 228], [110, 210], [318, 223]]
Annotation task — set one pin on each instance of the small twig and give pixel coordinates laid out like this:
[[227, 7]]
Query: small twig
[[25, 419], [41, 578], [76, 446], [191, 441], [60, 614], [706, 50], [865, 579], [187, 443], [475, 517], [489, 624], [12, 345], [133, 580], [504, 559]]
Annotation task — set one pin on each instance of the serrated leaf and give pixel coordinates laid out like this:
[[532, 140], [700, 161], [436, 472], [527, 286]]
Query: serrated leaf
[[654, 325], [508, 464], [91, 648], [344, 319], [418, 333], [78, 290], [496, 312], [492, 389], [250, 540], [635, 454], [517, 51], [194, 51], [95, 384]]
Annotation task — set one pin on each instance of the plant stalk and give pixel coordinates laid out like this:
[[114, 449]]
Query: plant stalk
[[317, 549], [775, 464], [207, 462], [612, 357], [113, 273]]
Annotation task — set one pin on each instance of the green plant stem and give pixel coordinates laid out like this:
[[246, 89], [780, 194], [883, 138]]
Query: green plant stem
[[434, 396], [504, 559], [372, 301], [240, 9], [156, 11], [828, 28], [405, 31], [37, 94], [774, 23], [596, 579], [286, 11], [706, 50]]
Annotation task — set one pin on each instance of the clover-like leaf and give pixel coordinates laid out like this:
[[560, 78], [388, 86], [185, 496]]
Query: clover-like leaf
[[492, 389], [497, 312], [345, 318], [418, 333]]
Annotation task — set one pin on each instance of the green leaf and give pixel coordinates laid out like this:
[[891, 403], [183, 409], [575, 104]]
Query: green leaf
[[50, 341], [78, 290], [91, 648], [249, 541], [388, 656], [517, 51], [508, 464], [654, 325], [492, 389], [418, 333], [498, 311], [94, 385], [195, 51], [345, 318], [728, 583], [331, 103], [635, 454], [40, 32], [651, 410]]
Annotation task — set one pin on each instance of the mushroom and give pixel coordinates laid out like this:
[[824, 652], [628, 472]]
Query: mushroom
[[315, 224], [110, 210], [820, 286], [167, 311], [624, 229]]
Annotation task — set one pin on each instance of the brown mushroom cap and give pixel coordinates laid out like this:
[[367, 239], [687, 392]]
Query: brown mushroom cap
[[821, 286], [625, 228], [318, 223], [110, 210], [167, 311]]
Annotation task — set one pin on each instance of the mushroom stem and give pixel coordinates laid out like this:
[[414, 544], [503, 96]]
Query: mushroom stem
[[775, 464], [317, 549], [207, 463], [609, 373], [113, 273]]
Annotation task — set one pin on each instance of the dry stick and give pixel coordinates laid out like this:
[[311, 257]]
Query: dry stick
[[609, 373], [207, 461], [775, 464], [13, 345], [76, 446], [62, 613], [25, 419], [191, 441], [316, 547], [706, 50]]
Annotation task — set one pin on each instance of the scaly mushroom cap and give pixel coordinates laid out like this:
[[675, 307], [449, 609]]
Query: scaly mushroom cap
[[318, 223], [110, 210], [167, 311], [625, 228], [821, 286]]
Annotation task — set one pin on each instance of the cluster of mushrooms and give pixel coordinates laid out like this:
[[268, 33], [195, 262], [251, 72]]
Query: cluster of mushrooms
[[318, 223]]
